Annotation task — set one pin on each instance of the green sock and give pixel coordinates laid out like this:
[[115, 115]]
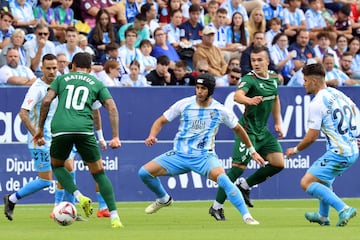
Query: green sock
[[262, 174], [65, 179], [106, 189], [233, 174]]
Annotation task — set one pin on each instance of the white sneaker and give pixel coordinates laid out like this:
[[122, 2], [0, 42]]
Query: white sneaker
[[155, 206], [251, 221]]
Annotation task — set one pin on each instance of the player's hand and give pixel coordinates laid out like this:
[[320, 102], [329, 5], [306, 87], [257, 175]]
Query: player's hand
[[255, 100], [103, 145], [115, 143], [255, 156], [279, 131], [289, 152], [38, 138], [150, 141]]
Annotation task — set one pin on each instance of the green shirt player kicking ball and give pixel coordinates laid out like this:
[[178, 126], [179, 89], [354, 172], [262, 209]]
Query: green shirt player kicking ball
[[72, 124], [258, 91]]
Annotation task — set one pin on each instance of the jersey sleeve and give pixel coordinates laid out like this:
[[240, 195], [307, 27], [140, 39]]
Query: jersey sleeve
[[174, 111], [104, 93], [245, 84], [315, 115], [32, 97], [229, 118]]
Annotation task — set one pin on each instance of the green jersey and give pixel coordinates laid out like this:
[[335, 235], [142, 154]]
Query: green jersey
[[77, 92], [255, 118]]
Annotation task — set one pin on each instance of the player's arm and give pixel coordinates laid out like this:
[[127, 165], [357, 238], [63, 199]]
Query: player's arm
[[155, 129], [110, 106], [25, 119], [98, 128], [277, 116], [310, 137], [240, 131], [240, 97]]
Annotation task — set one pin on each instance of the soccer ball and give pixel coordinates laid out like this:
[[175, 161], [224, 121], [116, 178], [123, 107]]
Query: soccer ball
[[64, 213]]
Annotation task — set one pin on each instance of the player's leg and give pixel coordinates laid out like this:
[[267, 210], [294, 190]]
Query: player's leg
[[238, 167], [103, 210], [316, 183], [42, 166], [149, 174], [90, 153], [271, 150]]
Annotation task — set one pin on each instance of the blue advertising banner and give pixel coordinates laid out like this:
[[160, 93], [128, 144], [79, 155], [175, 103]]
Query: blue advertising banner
[[138, 108]]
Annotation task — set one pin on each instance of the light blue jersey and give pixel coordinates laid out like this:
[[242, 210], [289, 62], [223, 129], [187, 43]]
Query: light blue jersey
[[198, 125], [32, 103], [331, 111]]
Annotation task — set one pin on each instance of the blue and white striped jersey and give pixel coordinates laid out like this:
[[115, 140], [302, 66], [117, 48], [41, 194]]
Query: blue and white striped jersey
[[198, 125], [332, 112]]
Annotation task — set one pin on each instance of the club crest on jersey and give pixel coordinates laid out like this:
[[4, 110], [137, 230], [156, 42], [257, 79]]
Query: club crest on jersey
[[261, 85], [275, 83]]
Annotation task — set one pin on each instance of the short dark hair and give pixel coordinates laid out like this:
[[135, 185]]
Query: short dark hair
[[236, 70], [146, 8], [111, 46], [194, 8], [163, 60], [347, 53], [322, 34], [315, 69], [140, 17], [181, 64], [145, 42], [49, 57], [129, 30], [82, 60]]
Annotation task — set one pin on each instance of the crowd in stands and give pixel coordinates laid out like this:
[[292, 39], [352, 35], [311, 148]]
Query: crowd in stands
[[141, 43]]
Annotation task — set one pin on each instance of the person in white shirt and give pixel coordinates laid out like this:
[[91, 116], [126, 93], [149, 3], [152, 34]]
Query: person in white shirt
[[109, 76], [323, 47], [70, 48], [233, 6], [134, 79], [13, 73]]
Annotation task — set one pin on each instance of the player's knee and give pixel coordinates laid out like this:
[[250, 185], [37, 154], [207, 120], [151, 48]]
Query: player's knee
[[143, 173], [45, 183]]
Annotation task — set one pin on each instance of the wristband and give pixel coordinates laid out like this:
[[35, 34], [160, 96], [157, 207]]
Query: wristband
[[251, 150], [100, 135], [296, 150]]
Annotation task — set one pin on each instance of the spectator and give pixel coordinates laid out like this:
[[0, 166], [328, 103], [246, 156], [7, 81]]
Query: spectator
[[259, 41], [209, 17], [345, 63], [139, 26], [233, 78], [161, 76], [70, 48], [202, 66], [341, 45], [273, 9], [282, 58], [323, 47], [233, 6], [112, 53], [134, 79], [163, 47], [257, 22], [17, 41], [23, 15], [129, 9], [355, 17], [294, 20], [62, 63], [150, 12], [38, 47], [354, 49], [343, 23], [303, 50], [13, 73], [128, 52], [6, 29], [102, 34], [275, 27], [207, 51], [190, 30], [149, 61], [109, 76], [182, 74], [186, 10], [237, 34], [84, 45], [45, 14], [164, 13], [233, 63], [64, 18], [172, 29], [335, 77]]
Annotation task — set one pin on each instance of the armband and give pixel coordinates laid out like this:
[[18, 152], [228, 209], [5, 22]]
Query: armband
[[100, 135], [251, 150], [296, 150]]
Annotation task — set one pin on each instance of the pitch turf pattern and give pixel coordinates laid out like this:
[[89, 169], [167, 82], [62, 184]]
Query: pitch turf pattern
[[279, 220]]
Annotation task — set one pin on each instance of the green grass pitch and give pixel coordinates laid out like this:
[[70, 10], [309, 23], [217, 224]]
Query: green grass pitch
[[279, 220]]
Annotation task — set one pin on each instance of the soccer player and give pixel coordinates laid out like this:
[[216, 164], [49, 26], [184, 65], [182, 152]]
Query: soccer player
[[194, 146], [29, 112], [73, 124], [258, 91], [334, 114]]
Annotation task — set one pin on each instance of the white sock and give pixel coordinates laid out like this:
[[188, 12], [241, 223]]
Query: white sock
[[216, 205], [13, 198], [244, 184], [77, 194], [247, 215], [164, 199], [114, 214]]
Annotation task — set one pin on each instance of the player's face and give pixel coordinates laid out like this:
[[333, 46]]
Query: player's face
[[260, 63], [201, 93], [49, 68], [308, 85]]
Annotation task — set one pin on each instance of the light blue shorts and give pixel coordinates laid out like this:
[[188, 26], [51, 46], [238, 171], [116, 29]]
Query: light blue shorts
[[331, 165], [175, 164], [41, 159]]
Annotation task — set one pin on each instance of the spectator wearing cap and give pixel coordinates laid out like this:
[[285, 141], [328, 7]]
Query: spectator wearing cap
[[212, 54]]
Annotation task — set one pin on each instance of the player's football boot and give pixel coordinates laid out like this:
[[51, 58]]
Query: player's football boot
[[246, 196], [103, 213], [217, 214], [8, 207], [115, 223], [314, 217], [251, 221], [85, 203], [155, 206], [345, 216]]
